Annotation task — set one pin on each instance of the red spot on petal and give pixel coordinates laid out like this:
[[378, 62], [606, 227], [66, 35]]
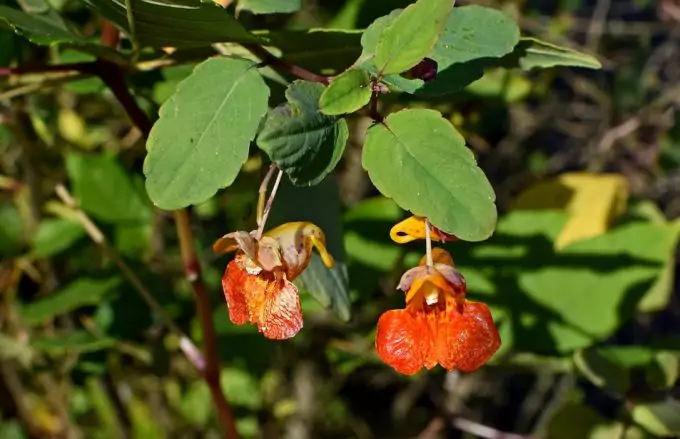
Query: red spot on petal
[[473, 337], [401, 341]]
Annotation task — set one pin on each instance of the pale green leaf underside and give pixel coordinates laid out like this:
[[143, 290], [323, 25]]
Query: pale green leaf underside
[[202, 137], [348, 93], [418, 159], [411, 36], [50, 29], [269, 6], [532, 53], [175, 23]]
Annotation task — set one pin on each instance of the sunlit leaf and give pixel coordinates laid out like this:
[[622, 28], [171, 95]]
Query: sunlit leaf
[[593, 202], [659, 417], [302, 141], [349, 92], [473, 38], [410, 36], [418, 159], [204, 131], [532, 53]]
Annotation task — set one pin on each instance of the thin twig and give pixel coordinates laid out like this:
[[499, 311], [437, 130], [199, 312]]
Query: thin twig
[[262, 192], [484, 431], [82, 67], [99, 239], [133, 29], [268, 206], [428, 243], [287, 66]]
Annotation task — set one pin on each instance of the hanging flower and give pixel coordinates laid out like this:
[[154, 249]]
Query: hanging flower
[[258, 284], [439, 325], [413, 228]]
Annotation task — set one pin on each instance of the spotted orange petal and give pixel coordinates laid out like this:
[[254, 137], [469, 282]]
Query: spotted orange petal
[[281, 315], [233, 283], [402, 341], [473, 336]]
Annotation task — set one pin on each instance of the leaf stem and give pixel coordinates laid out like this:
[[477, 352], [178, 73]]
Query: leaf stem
[[285, 65], [428, 243], [133, 30], [268, 207], [262, 191]]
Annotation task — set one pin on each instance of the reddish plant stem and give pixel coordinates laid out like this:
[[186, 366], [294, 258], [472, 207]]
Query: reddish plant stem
[[211, 372], [113, 76], [82, 67], [287, 66], [110, 34]]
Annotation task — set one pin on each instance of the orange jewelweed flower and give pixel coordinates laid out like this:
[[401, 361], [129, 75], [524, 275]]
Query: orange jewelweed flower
[[438, 326], [258, 284], [413, 228]]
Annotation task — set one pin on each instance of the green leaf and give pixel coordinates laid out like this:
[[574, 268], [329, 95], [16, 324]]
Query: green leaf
[[175, 23], [601, 281], [12, 430], [269, 6], [320, 205], [104, 189], [304, 143], [79, 293], [660, 293], [411, 36], [659, 417], [47, 28], [576, 419], [473, 38], [610, 367], [348, 93], [417, 158], [56, 235], [72, 342], [202, 137], [327, 51], [532, 53], [11, 230], [242, 386]]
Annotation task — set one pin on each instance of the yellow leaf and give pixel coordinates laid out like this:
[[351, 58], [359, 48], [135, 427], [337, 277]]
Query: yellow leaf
[[593, 202]]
